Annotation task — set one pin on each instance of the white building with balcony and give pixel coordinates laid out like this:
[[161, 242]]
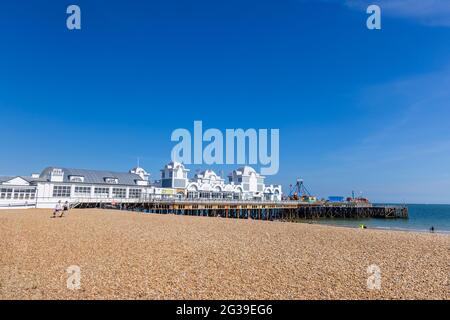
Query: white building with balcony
[[17, 192], [243, 184], [55, 184]]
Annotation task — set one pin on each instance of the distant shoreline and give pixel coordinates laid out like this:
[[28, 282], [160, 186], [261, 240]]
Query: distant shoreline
[[421, 231]]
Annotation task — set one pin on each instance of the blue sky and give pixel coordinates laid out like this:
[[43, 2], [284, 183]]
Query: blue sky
[[357, 109]]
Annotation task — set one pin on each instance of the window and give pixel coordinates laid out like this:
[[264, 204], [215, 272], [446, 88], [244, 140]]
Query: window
[[228, 195], [61, 191], [30, 193], [112, 180], [82, 191], [76, 179], [24, 193], [216, 195], [205, 195], [6, 193], [135, 193], [192, 194], [57, 172], [101, 192], [119, 193]]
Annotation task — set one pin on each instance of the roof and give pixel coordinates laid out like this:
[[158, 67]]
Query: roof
[[175, 165], [93, 176], [5, 178], [31, 179], [245, 171], [28, 179], [207, 174]]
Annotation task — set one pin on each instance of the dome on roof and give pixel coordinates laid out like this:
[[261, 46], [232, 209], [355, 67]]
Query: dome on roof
[[140, 172], [174, 165], [208, 174], [137, 170], [246, 170]]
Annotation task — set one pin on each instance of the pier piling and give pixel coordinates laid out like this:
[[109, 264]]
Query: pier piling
[[259, 210]]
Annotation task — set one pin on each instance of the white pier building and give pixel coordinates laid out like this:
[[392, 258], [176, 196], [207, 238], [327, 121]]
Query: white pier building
[[55, 184]]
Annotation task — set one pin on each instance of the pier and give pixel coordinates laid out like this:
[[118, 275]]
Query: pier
[[259, 210]]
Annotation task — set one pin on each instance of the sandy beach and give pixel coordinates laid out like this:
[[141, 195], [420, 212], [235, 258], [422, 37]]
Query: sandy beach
[[127, 255]]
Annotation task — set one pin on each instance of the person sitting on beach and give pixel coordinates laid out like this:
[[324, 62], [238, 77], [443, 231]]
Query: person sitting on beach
[[58, 209], [65, 208]]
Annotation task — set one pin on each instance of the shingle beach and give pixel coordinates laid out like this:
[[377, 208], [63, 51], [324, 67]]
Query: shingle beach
[[129, 255]]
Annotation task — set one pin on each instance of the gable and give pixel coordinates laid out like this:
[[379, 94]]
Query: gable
[[17, 181]]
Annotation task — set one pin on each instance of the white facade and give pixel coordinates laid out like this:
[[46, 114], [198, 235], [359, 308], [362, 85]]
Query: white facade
[[208, 185], [94, 186], [244, 184], [16, 192], [174, 175]]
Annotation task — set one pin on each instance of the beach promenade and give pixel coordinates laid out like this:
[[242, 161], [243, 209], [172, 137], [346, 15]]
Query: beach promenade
[[129, 255]]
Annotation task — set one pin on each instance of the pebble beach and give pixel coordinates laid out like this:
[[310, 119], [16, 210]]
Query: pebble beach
[[130, 255]]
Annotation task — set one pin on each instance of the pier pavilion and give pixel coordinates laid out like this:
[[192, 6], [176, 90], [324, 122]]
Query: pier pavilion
[[55, 184]]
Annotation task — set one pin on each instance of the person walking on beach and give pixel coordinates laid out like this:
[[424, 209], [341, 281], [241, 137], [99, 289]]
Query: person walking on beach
[[65, 208], [58, 209]]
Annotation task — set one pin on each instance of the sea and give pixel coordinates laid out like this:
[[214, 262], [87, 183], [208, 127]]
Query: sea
[[421, 218]]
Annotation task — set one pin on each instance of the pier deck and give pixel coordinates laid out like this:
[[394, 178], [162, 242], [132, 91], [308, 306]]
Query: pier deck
[[261, 210]]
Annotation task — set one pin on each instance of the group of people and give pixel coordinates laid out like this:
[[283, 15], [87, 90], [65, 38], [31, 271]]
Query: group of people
[[61, 209]]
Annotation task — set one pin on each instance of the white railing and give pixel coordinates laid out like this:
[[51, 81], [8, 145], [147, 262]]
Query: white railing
[[81, 200]]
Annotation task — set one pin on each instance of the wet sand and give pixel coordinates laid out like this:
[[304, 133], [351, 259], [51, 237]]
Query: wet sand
[[127, 255]]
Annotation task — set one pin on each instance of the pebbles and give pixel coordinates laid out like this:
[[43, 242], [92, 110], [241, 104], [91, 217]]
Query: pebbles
[[126, 255]]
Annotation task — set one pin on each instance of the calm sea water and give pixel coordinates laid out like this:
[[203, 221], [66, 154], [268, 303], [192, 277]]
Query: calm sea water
[[421, 218]]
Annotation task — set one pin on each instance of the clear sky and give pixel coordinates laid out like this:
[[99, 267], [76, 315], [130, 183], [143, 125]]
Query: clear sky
[[357, 109]]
